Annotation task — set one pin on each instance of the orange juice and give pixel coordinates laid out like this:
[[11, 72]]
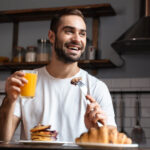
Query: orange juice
[[28, 90]]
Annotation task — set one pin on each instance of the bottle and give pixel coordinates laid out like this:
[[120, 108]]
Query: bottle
[[30, 55], [91, 52], [44, 50], [19, 54]]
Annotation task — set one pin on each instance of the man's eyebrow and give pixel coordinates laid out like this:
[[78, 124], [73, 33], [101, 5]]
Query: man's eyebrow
[[70, 27]]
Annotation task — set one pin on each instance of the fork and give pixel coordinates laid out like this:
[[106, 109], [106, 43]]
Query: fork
[[83, 88]]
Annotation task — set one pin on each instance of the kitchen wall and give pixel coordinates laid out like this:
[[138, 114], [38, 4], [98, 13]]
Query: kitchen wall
[[110, 29], [136, 85]]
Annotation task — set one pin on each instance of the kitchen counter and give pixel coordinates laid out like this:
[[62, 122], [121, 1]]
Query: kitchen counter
[[17, 146]]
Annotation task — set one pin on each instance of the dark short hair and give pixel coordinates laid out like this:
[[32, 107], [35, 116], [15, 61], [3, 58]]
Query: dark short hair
[[56, 19]]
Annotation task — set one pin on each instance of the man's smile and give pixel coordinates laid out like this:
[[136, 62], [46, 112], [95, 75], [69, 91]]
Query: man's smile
[[74, 47]]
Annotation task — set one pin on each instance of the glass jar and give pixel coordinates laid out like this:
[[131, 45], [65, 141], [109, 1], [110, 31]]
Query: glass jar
[[18, 54], [90, 50], [44, 50], [31, 54], [84, 56]]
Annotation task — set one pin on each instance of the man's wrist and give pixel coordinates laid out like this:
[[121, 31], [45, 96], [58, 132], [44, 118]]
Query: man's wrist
[[8, 100]]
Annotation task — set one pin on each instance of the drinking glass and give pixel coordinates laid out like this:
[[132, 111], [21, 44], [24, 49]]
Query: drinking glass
[[28, 90]]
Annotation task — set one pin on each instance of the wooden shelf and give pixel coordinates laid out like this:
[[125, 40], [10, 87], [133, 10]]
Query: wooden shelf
[[91, 10], [96, 64], [11, 66], [95, 11], [85, 64]]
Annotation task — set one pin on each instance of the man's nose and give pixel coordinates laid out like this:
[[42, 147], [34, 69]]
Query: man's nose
[[76, 37]]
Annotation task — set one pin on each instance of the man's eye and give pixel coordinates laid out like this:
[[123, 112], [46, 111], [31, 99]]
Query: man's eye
[[69, 31], [82, 33]]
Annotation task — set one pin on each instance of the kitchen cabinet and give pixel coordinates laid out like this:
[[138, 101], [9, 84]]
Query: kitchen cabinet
[[94, 11]]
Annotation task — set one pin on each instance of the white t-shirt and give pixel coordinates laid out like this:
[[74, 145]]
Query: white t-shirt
[[62, 105]]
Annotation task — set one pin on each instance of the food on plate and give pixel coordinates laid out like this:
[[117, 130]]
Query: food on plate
[[43, 133], [75, 80], [104, 134], [40, 127]]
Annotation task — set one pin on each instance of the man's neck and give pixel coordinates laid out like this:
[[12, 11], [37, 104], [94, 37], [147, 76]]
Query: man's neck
[[59, 69]]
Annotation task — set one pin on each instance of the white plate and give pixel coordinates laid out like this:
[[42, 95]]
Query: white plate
[[111, 146], [41, 142]]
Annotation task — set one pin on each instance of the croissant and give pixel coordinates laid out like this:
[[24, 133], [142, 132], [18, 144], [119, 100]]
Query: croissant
[[104, 134]]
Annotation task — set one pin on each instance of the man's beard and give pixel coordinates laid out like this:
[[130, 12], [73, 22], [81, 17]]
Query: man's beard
[[61, 55]]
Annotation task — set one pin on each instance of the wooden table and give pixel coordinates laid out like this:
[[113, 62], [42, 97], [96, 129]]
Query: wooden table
[[17, 146]]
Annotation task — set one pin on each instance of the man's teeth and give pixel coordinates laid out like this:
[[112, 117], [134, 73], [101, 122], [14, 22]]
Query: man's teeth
[[74, 48]]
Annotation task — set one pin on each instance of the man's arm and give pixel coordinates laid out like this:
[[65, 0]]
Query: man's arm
[[8, 121]]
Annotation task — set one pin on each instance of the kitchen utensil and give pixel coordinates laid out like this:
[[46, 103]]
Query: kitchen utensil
[[122, 114], [115, 106], [83, 88], [138, 134]]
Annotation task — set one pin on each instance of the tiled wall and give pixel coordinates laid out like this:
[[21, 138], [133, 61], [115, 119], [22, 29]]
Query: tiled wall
[[129, 99], [139, 86]]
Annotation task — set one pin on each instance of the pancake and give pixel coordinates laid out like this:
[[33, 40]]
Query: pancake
[[43, 133], [40, 127]]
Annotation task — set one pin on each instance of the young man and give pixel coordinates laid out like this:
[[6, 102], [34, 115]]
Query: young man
[[57, 102]]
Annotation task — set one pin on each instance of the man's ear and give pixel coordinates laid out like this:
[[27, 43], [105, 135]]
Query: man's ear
[[51, 36]]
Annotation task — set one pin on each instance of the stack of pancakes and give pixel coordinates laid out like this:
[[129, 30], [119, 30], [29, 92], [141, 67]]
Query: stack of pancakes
[[104, 134], [43, 133]]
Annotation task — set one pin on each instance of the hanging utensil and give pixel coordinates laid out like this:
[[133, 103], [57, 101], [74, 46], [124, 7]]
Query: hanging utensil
[[115, 106], [138, 134], [122, 113]]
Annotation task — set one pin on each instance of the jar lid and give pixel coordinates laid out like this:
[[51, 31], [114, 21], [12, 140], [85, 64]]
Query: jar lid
[[42, 40], [19, 48], [31, 48]]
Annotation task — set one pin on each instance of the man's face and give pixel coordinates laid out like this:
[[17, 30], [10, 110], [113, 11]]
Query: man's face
[[70, 40]]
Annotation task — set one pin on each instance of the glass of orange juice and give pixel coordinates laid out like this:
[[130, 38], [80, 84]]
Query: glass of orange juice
[[28, 90]]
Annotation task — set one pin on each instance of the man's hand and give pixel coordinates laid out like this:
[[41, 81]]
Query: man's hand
[[13, 85], [94, 114]]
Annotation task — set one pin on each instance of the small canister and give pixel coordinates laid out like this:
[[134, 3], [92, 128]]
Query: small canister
[[84, 55], [91, 52], [31, 54], [19, 54], [44, 50]]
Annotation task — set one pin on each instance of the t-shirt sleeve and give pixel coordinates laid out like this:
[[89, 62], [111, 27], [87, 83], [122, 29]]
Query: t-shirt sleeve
[[17, 111]]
